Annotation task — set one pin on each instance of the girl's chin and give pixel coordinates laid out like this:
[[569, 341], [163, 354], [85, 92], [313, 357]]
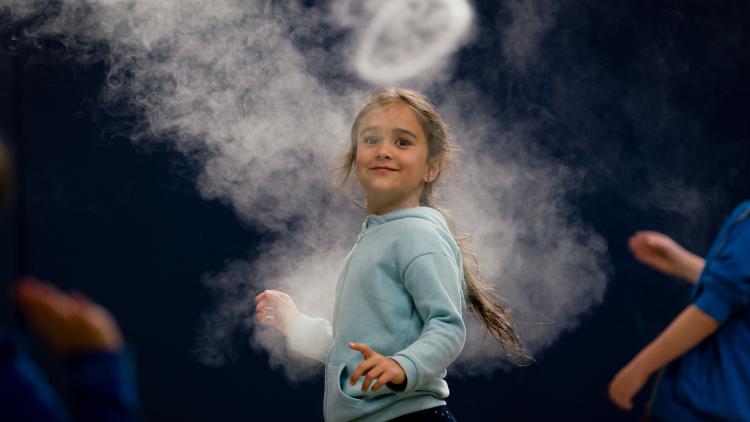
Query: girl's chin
[[378, 189]]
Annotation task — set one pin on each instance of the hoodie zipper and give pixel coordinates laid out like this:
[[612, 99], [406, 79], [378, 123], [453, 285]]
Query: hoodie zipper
[[345, 272]]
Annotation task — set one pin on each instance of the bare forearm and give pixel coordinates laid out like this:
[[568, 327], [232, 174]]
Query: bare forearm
[[685, 332], [691, 266]]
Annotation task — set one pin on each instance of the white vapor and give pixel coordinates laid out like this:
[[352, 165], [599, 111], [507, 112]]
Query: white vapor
[[531, 245], [529, 22], [229, 85]]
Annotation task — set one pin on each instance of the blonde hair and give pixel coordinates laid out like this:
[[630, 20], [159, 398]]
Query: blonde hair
[[495, 317]]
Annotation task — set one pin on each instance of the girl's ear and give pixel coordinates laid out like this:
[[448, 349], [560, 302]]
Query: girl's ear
[[433, 169]]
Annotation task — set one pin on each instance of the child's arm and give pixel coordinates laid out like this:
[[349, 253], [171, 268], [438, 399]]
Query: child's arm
[[723, 291], [311, 337], [433, 282], [660, 252], [685, 332], [86, 335]]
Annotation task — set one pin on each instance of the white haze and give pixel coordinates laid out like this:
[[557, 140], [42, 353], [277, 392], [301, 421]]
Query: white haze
[[225, 83], [529, 21]]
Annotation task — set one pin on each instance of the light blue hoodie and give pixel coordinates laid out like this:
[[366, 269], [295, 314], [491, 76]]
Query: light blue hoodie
[[401, 291]]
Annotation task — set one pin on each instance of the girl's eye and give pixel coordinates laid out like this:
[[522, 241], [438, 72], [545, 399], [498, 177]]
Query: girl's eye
[[371, 140], [403, 142]]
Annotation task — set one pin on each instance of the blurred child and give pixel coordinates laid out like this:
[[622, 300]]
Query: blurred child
[[707, 346], [83, 334], [86, 337]]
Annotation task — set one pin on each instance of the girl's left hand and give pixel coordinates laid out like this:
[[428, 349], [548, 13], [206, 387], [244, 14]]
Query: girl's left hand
[[377, 368]]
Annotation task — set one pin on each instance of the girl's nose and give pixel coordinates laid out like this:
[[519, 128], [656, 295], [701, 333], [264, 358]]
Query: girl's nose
[[383, 154], [384, 150]]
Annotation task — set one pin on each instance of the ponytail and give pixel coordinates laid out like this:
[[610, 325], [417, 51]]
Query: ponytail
[[495, 317]]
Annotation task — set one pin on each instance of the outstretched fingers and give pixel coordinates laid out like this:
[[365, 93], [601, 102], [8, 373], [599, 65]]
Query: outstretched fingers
[[362, 348], [377, 369], [372, 377], [363, 368], [382, 380]]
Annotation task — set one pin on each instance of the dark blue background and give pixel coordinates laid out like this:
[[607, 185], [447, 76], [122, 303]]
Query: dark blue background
[[619, 87]]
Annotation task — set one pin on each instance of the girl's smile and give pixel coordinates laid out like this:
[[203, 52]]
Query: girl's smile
[[383, 170]]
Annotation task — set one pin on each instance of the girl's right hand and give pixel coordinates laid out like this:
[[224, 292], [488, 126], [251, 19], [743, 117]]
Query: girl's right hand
[[276, 309], [658, 251]]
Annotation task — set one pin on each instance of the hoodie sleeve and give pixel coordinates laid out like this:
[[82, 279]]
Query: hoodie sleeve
[[311, 337], [724, 285], [434, 283]]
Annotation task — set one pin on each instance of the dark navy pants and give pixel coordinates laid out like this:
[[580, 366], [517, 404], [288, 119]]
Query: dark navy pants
[[436, 414]]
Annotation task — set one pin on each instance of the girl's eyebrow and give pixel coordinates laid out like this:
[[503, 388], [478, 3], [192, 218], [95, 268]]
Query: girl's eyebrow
[[404, 132], [399, 131]]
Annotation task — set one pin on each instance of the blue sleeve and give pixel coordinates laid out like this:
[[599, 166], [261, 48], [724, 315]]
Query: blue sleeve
[[723, 288], [25, 394], [104, 387]]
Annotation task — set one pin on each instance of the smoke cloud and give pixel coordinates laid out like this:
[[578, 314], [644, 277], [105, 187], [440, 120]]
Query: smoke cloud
[[235, 86], [527, 22], [544, 262]]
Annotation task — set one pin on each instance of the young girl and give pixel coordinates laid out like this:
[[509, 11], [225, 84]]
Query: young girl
[[397, 321]]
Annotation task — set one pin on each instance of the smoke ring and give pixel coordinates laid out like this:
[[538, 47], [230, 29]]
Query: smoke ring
[[407, 38]]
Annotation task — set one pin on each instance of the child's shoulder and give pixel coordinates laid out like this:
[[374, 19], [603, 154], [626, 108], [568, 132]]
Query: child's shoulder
[[415, 236], [738, 223], [410, 227], [742, 212]]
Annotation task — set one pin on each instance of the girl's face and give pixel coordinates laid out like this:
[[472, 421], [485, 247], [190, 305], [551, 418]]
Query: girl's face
[[392, 158]]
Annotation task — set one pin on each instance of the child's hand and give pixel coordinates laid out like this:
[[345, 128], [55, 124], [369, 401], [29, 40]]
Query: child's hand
[[626, 384], [276, 309], [68, 323], [658, 251], [376, 368]]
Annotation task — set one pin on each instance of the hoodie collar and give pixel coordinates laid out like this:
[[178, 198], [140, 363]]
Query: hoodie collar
[[426, 213]]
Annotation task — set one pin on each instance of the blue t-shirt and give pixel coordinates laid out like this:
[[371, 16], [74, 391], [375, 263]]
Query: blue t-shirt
[[712, 381]]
